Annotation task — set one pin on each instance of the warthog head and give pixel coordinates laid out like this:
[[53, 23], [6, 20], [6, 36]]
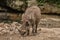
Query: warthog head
[[23, 28]]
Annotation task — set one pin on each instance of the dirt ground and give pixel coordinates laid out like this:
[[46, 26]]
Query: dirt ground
[[50, 30], [44, 34]]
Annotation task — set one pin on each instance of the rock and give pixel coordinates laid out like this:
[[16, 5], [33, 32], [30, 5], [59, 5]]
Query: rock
[[17, 4], [10, 28], [1, 28], [16, 31], [4, 31], [1, 24], [6, 26]]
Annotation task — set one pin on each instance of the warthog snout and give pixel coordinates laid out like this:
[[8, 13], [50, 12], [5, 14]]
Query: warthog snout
[[23, 32]]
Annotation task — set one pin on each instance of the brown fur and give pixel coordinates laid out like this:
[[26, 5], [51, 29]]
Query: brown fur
[[31, 18]]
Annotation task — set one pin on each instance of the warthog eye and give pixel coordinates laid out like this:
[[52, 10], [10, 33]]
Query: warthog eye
[[27, 24]]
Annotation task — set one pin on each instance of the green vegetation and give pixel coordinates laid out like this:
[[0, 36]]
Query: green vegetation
[[51, 2]]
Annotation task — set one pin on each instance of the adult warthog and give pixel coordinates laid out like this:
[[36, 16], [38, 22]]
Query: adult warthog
[[30, 18]]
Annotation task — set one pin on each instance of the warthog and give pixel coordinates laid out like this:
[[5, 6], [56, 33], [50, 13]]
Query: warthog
[[30, 18]]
